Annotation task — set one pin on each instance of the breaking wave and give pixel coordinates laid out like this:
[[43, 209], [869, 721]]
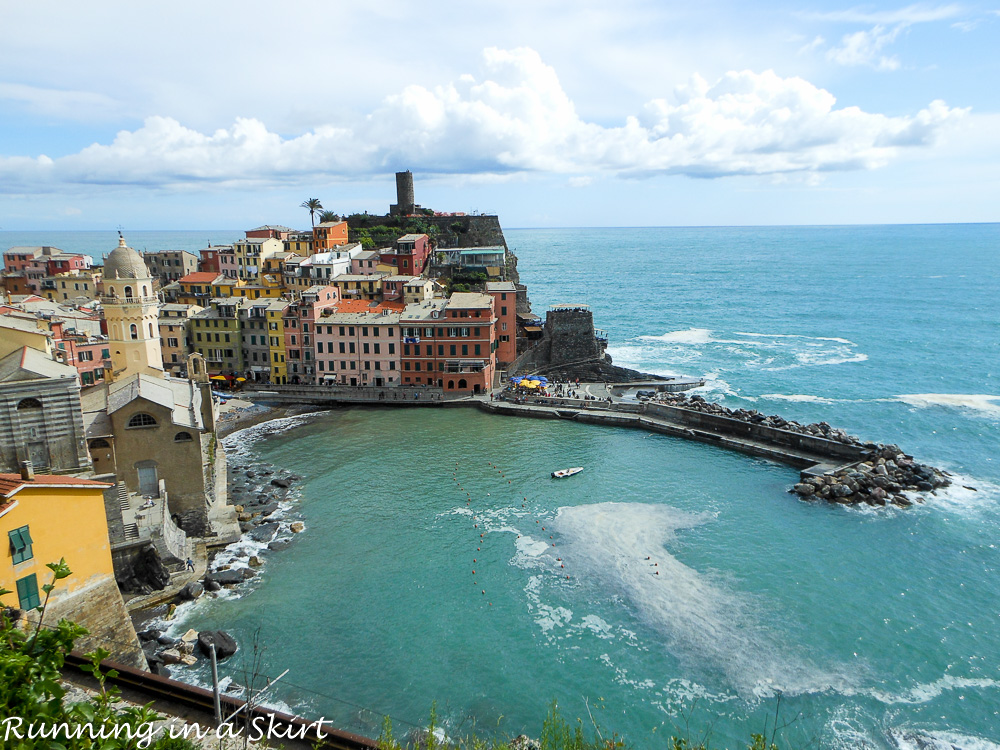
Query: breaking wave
[[983, 404]]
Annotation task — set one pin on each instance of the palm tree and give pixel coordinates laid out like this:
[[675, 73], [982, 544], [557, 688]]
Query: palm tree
[[313, 205], [328, 216]]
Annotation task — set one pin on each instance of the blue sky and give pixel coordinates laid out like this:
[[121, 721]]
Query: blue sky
[[548, 113]]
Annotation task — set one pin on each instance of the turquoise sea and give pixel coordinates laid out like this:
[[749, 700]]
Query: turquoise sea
[[701, 598]]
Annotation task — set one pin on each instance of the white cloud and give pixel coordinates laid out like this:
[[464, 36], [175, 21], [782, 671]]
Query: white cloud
[[517, 119], [68, 104], [580, 181], [911, 14], [865, 47]]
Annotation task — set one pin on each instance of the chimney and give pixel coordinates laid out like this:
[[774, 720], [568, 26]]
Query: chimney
[[27, 471]]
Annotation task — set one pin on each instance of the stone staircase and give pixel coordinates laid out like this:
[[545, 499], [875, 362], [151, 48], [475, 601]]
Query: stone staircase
[[131, 529]]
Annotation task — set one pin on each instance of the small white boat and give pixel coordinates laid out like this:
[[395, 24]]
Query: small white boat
[[563, 473]]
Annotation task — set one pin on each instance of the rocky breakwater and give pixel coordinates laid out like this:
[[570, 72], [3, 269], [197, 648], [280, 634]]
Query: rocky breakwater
[[883, 477], [880, 480]]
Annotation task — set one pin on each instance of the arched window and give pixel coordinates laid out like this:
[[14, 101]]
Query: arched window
[[183, 437], [151, 330], [141, 420], [145, 293], [99, 443], [29, 403], [462, 385], [133, 331], [128, 291], [451, 385]]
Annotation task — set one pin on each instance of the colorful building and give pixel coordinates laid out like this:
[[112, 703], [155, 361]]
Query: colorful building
[[409, 255], [216, 336], [46, 519], [300, 320], [449, 343], [357, 343], [329, 235], [504, 294], [175, 335]]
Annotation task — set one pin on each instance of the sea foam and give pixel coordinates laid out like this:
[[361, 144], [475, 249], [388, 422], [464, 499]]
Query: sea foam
[[983, 404], [702, 623]]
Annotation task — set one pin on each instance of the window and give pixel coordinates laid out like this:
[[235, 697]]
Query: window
[[377, 350], [29, 403], [171, 342], [392, 347], [183, 437], [141, 420], [99, 443], [20, 544], [133, 331], [27, 592], [477, 351]]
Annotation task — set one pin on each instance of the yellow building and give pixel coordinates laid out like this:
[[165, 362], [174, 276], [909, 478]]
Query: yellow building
[[276, 341], [47, 518], [17, 332]]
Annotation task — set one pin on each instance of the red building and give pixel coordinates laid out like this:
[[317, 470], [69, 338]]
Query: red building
[[449, 343], [504, 294], [65, 262], [269, 231], [209, 262], [409, 255]]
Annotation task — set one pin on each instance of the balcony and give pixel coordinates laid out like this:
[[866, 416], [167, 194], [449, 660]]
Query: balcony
[[111, 300]]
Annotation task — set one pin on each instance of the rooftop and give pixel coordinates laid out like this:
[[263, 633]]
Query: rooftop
[[469, 300], [30, 364], [11, 484], [501, 286], [199, 277]]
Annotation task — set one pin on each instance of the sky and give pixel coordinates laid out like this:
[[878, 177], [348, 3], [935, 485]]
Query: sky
[[634, 113]]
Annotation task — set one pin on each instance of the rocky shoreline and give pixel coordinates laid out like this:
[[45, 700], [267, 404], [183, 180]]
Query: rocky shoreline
[[264, 498], [882, 478]]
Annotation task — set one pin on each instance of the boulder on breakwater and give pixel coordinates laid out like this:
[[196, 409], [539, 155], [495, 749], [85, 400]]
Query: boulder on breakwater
[[880, 480]]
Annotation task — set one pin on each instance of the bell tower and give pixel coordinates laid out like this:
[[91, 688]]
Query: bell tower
[[131, 311]]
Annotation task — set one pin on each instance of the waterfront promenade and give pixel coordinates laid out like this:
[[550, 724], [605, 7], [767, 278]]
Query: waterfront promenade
[[602, 404]]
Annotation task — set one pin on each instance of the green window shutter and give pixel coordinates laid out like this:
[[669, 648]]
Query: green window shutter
[[27, 592], [20, 545]]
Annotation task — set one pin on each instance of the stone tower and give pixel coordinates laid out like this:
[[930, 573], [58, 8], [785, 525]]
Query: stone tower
[[404, 204], [131, 312]]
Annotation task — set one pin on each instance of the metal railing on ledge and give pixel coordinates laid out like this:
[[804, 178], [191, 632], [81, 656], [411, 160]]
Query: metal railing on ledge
[[369, 394], [112, 300]]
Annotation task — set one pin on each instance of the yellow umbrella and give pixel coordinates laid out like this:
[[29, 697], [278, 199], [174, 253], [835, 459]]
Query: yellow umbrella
[[241, 380], [218, 377]]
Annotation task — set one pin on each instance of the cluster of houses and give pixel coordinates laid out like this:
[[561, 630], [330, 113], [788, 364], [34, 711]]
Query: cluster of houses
[[107, 372], [287, 307]]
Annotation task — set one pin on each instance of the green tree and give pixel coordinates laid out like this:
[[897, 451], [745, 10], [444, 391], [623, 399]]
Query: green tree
[[313, 205], [329, 216]]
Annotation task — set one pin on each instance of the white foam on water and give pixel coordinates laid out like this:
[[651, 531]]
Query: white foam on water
[[547, 618], [687, 336], [798, 398], [946, 739], [241, 441], [705, 625], [597, 626], [959, 497], [929, 691], [529, 547], [983, 404]]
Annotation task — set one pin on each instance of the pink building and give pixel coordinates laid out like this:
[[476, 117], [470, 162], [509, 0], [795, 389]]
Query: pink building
[[357, 343], [365, 264], [300, 320], [65, 263], [410, 254]]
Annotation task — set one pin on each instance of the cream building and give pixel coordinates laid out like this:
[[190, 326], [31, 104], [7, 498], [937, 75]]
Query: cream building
[[132, 314]]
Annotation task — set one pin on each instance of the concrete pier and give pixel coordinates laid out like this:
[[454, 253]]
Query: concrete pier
[[810, 454]]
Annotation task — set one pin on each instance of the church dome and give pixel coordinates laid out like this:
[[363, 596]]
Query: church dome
[[124, 263]]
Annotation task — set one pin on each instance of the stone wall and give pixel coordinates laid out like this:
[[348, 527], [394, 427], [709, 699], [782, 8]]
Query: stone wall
[[98, 606], [51, 436]]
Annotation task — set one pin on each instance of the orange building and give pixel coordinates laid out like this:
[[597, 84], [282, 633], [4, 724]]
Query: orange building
[[329, 235]]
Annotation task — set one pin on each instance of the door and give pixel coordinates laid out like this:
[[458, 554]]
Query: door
[[38, 454], [148, 484]]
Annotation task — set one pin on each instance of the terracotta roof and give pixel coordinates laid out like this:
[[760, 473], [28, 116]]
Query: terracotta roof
[[10, 484], [198, 277], [365, 306]]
